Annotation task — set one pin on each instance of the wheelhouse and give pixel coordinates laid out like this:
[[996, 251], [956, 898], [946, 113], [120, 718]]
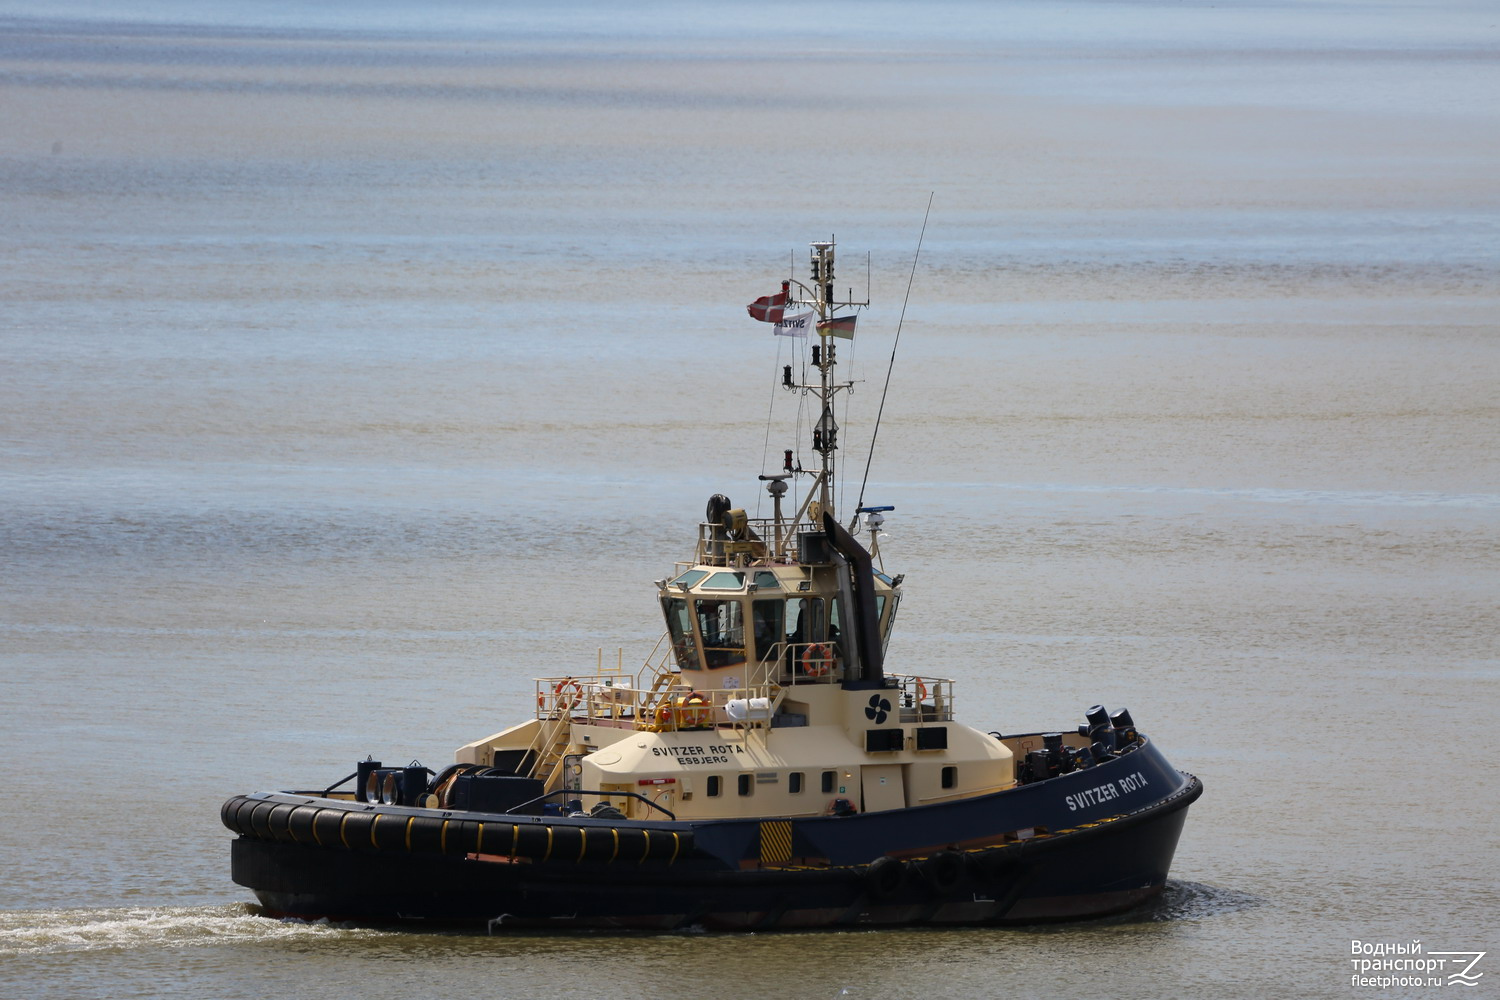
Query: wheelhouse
[[747, 622]]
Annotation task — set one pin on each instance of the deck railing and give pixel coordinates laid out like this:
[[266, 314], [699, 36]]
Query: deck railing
[[923, 699], [671, 702], [759, 542]]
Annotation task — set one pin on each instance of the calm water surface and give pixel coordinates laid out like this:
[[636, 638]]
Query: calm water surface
[[360, 366]]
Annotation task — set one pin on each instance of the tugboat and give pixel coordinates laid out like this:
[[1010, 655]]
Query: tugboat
[[762, 770]]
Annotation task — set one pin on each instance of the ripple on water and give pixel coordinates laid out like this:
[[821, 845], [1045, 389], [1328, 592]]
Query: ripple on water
[[1193, 901]]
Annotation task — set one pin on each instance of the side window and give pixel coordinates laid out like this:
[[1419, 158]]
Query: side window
[[680, 628], [794, 782], [828, 785], [715, 786], [950, 777], [885, 635], [747, 784]]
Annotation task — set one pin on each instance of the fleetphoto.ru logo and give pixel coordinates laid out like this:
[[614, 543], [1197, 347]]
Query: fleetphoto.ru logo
[[1384, 965]]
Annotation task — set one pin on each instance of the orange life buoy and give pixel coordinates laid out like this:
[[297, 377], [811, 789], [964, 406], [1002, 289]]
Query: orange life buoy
[[921, 691], [815, 660], [695, 711], [567, 693]]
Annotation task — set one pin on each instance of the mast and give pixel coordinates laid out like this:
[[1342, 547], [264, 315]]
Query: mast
[[820, 297]]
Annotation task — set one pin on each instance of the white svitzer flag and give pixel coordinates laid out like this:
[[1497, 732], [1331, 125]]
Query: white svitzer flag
[[795, 326]]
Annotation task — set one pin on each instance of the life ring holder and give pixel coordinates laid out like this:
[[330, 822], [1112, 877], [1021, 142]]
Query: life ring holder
[[815, 660]]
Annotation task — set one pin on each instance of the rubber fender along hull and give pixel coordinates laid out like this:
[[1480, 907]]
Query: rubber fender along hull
[[350, 826], [1089, 871]]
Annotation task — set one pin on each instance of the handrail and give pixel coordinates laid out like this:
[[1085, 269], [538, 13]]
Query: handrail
[[347, 777], [921, 694]]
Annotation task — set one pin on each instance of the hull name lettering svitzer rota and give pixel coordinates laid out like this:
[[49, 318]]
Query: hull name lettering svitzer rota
[[762, 769]]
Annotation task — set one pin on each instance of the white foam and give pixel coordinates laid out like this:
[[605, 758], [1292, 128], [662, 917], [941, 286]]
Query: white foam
[[45, 932]]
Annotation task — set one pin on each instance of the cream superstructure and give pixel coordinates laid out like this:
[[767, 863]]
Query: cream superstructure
[[767, 695]]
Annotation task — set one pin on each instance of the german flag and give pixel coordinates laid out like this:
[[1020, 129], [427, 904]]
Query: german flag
[[838, 326]]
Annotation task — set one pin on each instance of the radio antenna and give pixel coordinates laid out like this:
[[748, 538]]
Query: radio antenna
[[881, 410]]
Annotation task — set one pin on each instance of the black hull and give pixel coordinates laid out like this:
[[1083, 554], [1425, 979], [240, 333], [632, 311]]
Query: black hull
[[339, 860]]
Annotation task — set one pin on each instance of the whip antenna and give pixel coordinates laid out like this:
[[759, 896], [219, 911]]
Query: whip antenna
[[889, 368]]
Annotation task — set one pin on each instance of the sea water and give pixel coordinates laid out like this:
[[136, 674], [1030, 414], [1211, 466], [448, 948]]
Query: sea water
[[363, 362]]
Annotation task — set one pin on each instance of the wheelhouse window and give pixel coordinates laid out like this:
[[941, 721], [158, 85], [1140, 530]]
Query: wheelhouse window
[[680, 628], [768, 619], [886, 622], [810, 638], [689, 578], [722, 626]]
